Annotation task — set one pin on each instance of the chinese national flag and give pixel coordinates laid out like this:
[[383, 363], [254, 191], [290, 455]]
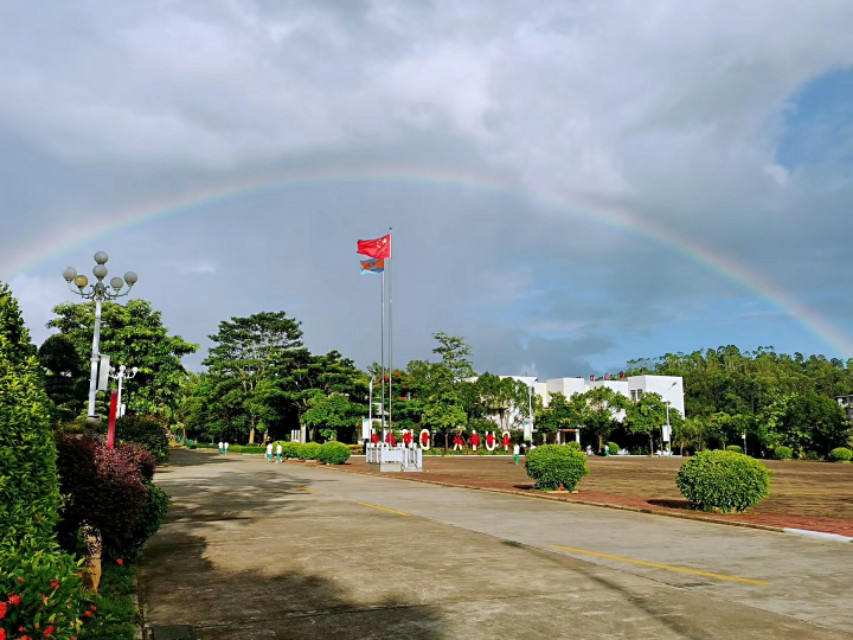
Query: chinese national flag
[[379, 248]]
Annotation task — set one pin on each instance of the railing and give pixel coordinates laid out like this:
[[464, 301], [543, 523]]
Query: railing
[[407, 458]]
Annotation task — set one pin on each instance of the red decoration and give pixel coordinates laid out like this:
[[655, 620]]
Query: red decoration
[[378, 248], [111, 432]]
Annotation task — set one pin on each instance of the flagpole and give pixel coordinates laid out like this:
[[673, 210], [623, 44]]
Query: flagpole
[[382, 357], [390, 339]]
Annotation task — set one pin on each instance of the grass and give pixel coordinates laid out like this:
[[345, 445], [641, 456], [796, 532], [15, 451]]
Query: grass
[[116, 617]]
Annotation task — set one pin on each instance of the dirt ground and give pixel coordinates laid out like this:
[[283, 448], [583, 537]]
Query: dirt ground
[[803, 495]]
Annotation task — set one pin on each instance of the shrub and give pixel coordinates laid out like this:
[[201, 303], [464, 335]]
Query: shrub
[[572, 444], [333, 452], [784, 453], [246, 448], [613, 448], [29, 489], [551, 466], [723, 481], [291, 449], [734, 448], [145, 431], [142, 458], [356, 449], [41, 592], [841, 454], [106, 489], [309, 451], [150, 518]]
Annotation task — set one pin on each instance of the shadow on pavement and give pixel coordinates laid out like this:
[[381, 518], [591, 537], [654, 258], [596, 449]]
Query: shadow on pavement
[[180, 586]]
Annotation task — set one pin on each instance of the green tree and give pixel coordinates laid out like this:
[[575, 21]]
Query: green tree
[[131, 334], [645, 417], [65, 381], [598, 409], [561, 413], [247, 356], [335, 416], [455, 355]]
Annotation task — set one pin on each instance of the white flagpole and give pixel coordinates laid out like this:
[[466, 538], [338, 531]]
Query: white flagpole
[[382, 357], [390, 341]]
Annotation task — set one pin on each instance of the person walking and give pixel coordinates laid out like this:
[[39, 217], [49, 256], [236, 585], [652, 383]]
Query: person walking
[[225, 447], [269, 452], [278, 451], [516, 451], [221, 447]]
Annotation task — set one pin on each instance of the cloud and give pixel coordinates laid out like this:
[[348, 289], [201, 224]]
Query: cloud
[[681, 116]]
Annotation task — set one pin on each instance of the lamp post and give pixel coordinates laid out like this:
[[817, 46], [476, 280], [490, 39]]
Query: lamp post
[[668, 425], [123, 373], [98, 292]]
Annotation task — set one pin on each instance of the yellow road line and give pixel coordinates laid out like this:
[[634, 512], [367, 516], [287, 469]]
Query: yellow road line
[[667, 567], [376, 506]]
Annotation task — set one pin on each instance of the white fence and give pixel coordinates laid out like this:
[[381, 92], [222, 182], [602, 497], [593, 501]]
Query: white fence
[[394, 458]]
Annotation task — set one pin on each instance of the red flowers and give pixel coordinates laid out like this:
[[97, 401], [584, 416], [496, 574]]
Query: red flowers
[[3, 608], [48, 631], [88, 614], [93, 608], [20, 579], [2, 634], [120, 562], [54, 584]]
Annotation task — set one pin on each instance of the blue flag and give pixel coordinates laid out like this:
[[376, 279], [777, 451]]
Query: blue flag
[[374, 265]]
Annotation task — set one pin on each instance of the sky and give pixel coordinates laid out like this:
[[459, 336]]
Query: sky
[[571, 184]]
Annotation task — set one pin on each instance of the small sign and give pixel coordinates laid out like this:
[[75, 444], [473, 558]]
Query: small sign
[[104, 374], [665, 429], [365, 428], [528, 430]]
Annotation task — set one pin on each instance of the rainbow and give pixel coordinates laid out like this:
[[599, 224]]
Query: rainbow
[[609, 215]]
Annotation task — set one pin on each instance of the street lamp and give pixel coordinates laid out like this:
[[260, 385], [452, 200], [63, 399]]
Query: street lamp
[[668, 425], [98, 292], [123, 373]]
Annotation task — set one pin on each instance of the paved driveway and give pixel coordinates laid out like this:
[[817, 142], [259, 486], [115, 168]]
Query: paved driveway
[[258, 550]]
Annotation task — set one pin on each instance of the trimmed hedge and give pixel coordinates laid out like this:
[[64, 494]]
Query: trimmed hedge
[[735, 448], [841, 454], [723, 481], [309, 451], [552, 466], [145, 431], [107, 489], [333, 452], [784, 453]]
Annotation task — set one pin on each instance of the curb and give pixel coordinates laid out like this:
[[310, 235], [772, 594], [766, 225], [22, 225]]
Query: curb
[[683, 516]]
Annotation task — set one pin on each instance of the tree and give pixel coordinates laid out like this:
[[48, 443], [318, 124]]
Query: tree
[[561, 413], [598, 408], [132, 334], [505, 398], [443, 411], [65, 381], [248, 355], [645, 417], [455, 355], [333, 415]]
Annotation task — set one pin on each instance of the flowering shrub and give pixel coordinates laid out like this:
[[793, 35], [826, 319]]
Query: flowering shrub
[[41, 595]]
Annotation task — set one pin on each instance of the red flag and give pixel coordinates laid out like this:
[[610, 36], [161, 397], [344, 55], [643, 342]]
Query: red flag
[[379, 248]]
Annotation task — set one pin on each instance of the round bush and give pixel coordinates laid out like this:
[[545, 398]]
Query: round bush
[[735, 448], [841, 454], [552, 465], [333, 452], [784, 453], [613, 448], [309, 451], [723, 481], [291, 449], [572, 444]]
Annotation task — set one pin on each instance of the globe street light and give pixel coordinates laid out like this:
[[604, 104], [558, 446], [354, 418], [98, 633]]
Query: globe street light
[[98, 292], [123, 373]]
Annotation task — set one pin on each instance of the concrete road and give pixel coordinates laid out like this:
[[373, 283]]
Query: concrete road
[[258, 550]]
